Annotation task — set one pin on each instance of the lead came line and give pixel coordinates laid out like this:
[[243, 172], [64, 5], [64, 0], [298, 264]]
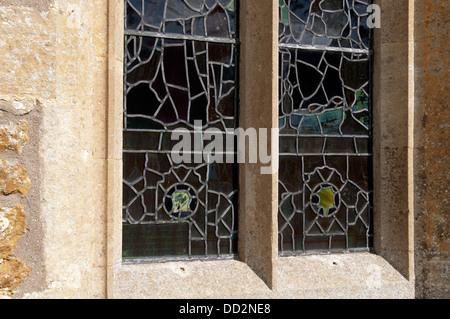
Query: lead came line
[[323, 48], [180, 36]]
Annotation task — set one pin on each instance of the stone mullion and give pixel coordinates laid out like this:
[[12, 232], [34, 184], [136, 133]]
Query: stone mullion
[[258, 107]]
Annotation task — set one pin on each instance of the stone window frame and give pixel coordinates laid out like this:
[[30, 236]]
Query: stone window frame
[[259, 271]]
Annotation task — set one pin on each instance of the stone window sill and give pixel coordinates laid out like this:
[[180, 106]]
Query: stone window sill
[[359, 275]]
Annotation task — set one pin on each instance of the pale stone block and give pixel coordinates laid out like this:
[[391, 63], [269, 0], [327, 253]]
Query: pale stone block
[[27, 49], [39, 5], [17, 107]]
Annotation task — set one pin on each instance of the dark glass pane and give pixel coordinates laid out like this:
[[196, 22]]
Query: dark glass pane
[[189, 209], [290, 174], [140, 140], [133, 16], [164, 240], [339, 145], [288, 144], [316, 243], [217, 23], [310, 144], [363, 145]]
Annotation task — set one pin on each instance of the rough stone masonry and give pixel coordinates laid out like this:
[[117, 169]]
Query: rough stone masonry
[[13, 180]]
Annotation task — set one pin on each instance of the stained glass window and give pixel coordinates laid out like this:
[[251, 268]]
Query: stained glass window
[[325, 192], [180, 70]]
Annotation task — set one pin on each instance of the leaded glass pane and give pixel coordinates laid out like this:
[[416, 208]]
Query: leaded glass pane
[[325, 191], [330, 23], [180, 70], [185, 18]]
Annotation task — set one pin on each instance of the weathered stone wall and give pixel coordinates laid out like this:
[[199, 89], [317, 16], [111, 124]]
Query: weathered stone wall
[[432, 256], [25, 83], [15, 184], [52, 147], [53, 151]]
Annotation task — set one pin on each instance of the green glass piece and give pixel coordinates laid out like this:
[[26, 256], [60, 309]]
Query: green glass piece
[[295, 120], [362, 101], [284, 12], [331, 121], [181, 202], [326, 196], [285, 15], [309, 125]]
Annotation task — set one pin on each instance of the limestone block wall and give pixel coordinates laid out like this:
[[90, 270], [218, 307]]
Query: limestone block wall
[[56, 58], [52, 148], [24, 84], [15, 184]]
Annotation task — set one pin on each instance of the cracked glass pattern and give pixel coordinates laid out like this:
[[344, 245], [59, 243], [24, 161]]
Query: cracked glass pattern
[[183, 18], [325, 184], [180, 69], [329, 23]]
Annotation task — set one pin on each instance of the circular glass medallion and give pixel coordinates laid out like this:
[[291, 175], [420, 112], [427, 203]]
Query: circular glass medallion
[[180, 201], [325, 200]]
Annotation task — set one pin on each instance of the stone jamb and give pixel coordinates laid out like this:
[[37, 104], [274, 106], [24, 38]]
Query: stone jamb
[[393, 116]]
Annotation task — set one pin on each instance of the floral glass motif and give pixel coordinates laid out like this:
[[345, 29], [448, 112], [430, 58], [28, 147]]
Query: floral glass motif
[[181, 202], [325, 191], [179, 68]]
